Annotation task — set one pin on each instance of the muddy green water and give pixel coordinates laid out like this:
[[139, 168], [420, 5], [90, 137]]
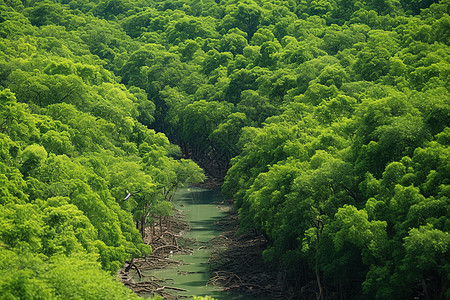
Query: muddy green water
[[202, 209]]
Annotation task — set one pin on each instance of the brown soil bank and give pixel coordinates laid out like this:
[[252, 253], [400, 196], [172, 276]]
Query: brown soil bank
[[165, 238], [237, 264]]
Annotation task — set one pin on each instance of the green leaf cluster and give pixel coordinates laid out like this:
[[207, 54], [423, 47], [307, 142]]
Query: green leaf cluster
[[80, 172], [330, 119]]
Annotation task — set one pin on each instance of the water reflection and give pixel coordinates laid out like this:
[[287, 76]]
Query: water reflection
[[202, 211]]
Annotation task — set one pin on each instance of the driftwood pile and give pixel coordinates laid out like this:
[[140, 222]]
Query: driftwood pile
[[237, 264], [165, 241]]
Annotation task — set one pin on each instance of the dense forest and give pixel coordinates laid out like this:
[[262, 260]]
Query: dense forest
[[330, 119]]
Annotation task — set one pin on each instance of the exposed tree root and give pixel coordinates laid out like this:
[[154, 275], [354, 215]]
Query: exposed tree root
[[164, 242], [237, 265]]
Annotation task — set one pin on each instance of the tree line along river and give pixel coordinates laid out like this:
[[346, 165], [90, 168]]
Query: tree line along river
[[202, 209]]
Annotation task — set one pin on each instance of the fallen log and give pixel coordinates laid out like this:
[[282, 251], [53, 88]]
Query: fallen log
[[173, 288], [165, 246]]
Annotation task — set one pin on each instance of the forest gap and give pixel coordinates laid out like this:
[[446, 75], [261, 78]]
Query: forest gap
[[201, 208]]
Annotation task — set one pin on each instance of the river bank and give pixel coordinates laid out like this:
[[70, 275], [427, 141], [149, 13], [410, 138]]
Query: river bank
[[178, 266], [237, 264], [164, 241], [205, 257]]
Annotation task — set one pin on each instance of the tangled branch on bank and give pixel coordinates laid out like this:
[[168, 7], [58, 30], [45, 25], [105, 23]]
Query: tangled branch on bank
[[236, 262], [164, 241]]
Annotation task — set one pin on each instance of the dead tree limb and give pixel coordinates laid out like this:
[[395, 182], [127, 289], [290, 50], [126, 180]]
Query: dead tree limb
[[131, 194]]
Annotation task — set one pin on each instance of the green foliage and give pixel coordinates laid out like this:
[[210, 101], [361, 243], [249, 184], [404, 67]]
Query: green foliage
[[331, 119], [201, 118], [29, 276], [246, 16], [72, 145]]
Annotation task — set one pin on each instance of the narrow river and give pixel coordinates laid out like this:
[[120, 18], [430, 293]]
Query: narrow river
[[202, 210]]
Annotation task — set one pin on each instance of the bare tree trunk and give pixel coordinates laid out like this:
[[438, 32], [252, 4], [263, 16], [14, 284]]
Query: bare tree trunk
[[130, 264], [319, 284], [425, 290], [167, 224], [320, 295], [152, 232], [142, 229], [153, 229]]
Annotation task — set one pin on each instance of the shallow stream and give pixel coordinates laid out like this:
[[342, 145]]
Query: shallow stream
[[202, 210]]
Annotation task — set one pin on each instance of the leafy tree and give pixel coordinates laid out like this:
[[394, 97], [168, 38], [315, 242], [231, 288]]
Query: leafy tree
[[257, 108], [240, 81], [395, 129], [333, 116], [215, 59], [352, 234], [245, 16], [235, 41], [33, 158], [425, 259], [201, 118], [136, 24], [190, 28], [45, 14], [17, 121], [226, 136]]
